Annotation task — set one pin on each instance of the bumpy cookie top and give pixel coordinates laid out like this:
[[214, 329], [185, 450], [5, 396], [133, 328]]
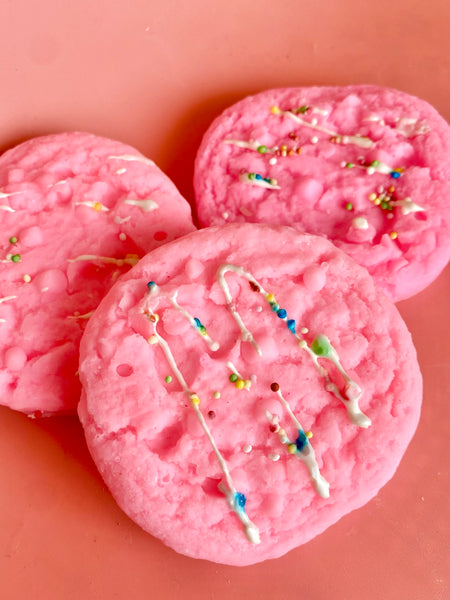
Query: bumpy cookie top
[[243, 388], [367, 167], [76, 211]]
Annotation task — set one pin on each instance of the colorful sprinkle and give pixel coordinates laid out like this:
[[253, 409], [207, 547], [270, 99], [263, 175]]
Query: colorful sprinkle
[[216, 395], [240, 500], [301, 441], [239, 383], [394, 235], [274, 386], [309, 434], [291, 325], [349, 206], [13, 240], [274, 110], [281, 313], [262, 149], [247, 448], [233, 377], [15, 258], [27, 278], [195, 400], [168, 379], [211, 414], [97, 206], [321, 346]]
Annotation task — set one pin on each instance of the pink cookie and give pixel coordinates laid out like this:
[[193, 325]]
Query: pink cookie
[[367, 167], [76, 211], [207, 366]]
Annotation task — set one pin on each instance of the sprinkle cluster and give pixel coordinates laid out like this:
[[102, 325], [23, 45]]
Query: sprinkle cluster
[[258, 177]]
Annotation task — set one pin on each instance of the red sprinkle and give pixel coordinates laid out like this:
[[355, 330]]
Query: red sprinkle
[[274, 387], [160, 236], [211, 414]]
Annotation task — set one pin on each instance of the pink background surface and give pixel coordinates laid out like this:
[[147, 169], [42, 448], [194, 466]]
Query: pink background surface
[[154, 74]]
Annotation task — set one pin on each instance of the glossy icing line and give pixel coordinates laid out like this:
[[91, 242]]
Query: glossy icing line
[[130, 259], [358, 140], [146, 205], [320, 347], [133, 158], [7, 298], [235, 499], [195, 322]]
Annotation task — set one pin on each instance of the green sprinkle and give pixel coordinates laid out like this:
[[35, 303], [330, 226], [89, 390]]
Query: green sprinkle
[[13, 240], [303, 109], [252, 175], [375, 163], [350, 165], [202, 330], [168, 378], [321, 346], [384, 205], [262, 149], [233, 377], [349, 206], [15, 258]]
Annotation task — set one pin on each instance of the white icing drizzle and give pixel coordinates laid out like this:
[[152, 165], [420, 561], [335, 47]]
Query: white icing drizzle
[[98, 206], [407, 206], [245, 333], [358, 140], [146, 205], [251, 145], [6, 208], [411, 127], [375, 119], [87, 315], [121, 171], [130, 259], [352, 389], [306, 454], [205, 336], [245, 177], [7, 298], [133, 158], [120, 220], [229, 490], [360, 223]]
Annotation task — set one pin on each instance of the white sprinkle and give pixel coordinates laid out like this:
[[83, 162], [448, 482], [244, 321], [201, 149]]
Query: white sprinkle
[[258, 309], [122, 236], [44, 289], [370, 170], [274, 456], [314, 121], [314, 139], [304, 330], [225, 215], [145, 205], [360, 223], [343, 164], [27, 278], [153, 339], [121, 171], [216, 395], [6, 298], [273, 161], [247, 448], [302, 344]]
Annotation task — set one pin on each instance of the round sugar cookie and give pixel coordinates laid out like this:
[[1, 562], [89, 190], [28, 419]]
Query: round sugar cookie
[[368, 167], [76, 211], [243, 388]]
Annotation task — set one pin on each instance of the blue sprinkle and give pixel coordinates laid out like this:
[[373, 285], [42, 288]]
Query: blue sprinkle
[[150, 284], [281, 313], [258, 176], [395, 174], [301, 441], [197, 322], [291, 325], [240, 500], [275, 307]]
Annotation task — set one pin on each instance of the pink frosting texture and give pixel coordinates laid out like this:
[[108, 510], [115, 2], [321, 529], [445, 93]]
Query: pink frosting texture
[[367, 167], [72, 220], [142, 424]]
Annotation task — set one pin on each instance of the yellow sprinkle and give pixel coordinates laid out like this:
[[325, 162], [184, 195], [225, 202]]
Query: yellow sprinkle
[[309, 434], [153, 339], [372, 197], [302, 344], [216, 395], [274, 181], [291, 448], [270, 298], [195, 399], [239, 383], [377, 201], [394, 235], [97, 206], [274, 110]]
